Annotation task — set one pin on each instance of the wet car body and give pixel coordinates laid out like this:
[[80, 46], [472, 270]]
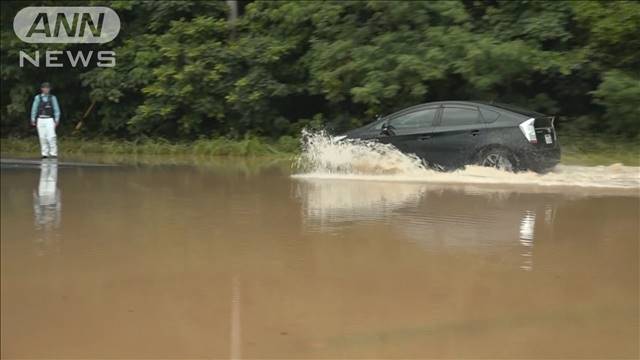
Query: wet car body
[[451, 134]]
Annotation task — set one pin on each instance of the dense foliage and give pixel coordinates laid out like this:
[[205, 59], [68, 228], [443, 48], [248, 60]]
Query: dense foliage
[[185, 71]]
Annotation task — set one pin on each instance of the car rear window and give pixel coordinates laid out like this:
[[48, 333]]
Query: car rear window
[[453, 116], [419, 118], [518, 110]]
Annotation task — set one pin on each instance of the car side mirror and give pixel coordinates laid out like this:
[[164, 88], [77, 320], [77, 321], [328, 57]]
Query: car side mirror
[[386, 129]]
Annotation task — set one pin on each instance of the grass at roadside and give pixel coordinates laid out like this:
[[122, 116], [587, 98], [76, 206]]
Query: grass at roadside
[[576, 150], [201, 147], [591, 150]]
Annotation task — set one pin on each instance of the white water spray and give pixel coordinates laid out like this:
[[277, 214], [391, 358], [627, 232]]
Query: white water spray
[[324, 154], [326, 157]]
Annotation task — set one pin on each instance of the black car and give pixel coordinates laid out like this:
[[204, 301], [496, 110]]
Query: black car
[[451, 134]]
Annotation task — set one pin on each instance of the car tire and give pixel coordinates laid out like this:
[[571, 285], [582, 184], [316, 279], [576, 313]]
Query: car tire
[[498, 158]]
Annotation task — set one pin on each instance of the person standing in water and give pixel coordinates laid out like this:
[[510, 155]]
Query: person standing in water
[[45, 115]]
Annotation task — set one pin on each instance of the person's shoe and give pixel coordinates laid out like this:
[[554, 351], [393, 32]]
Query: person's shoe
[[53, 156], [44, 157]]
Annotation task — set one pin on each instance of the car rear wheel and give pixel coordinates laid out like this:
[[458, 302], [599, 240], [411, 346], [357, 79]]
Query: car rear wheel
[[499, 159]]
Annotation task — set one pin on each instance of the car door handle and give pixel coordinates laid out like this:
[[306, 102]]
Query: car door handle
[[475, 132], [424, 137]]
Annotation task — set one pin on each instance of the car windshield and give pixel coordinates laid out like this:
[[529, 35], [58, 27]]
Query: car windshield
[[376, 124]]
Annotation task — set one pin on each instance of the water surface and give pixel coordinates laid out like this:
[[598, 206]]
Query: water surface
[[238, 259]]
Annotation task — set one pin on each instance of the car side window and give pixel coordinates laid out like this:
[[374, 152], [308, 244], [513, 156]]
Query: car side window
[[489, 115], [416, 119], [454, 116]]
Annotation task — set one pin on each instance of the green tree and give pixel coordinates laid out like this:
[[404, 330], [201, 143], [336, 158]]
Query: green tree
[[184, 70]]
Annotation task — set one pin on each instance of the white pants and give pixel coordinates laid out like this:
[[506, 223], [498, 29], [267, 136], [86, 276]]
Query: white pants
[[47, 134]]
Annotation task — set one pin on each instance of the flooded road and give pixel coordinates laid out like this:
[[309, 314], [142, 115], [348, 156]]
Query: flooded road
[[239, 259]]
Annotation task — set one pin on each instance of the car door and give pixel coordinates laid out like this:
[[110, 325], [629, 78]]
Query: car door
[[456, 136], [409, 132]]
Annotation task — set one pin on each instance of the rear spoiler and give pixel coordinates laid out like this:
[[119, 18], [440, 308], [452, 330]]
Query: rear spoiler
[[547, 123], [532, 126], [544, 122]]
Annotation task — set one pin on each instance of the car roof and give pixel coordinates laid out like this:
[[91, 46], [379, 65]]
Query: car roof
[[494, 105], [512, 108]]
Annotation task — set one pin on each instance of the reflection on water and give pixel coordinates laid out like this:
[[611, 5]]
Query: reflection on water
[[237, 260], [46, 198], [434, 217], [527, 229], [235, 327], [328, 203], [47, 205]]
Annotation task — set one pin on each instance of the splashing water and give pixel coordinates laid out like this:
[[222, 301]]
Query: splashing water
[[324, 154], [327, 157]]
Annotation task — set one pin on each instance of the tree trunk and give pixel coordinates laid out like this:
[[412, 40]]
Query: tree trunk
[[233, 7]]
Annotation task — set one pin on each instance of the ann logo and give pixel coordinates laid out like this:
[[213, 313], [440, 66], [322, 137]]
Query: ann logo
[[41, 25], [66, 24]]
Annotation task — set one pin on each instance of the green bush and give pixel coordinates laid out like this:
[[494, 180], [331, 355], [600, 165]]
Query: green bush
[[184, 71]]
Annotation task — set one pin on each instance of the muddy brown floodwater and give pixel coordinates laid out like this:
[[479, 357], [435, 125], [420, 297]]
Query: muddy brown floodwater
[[238, 259]]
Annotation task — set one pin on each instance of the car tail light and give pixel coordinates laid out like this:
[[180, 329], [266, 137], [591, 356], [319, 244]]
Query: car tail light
[[529, 131]]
